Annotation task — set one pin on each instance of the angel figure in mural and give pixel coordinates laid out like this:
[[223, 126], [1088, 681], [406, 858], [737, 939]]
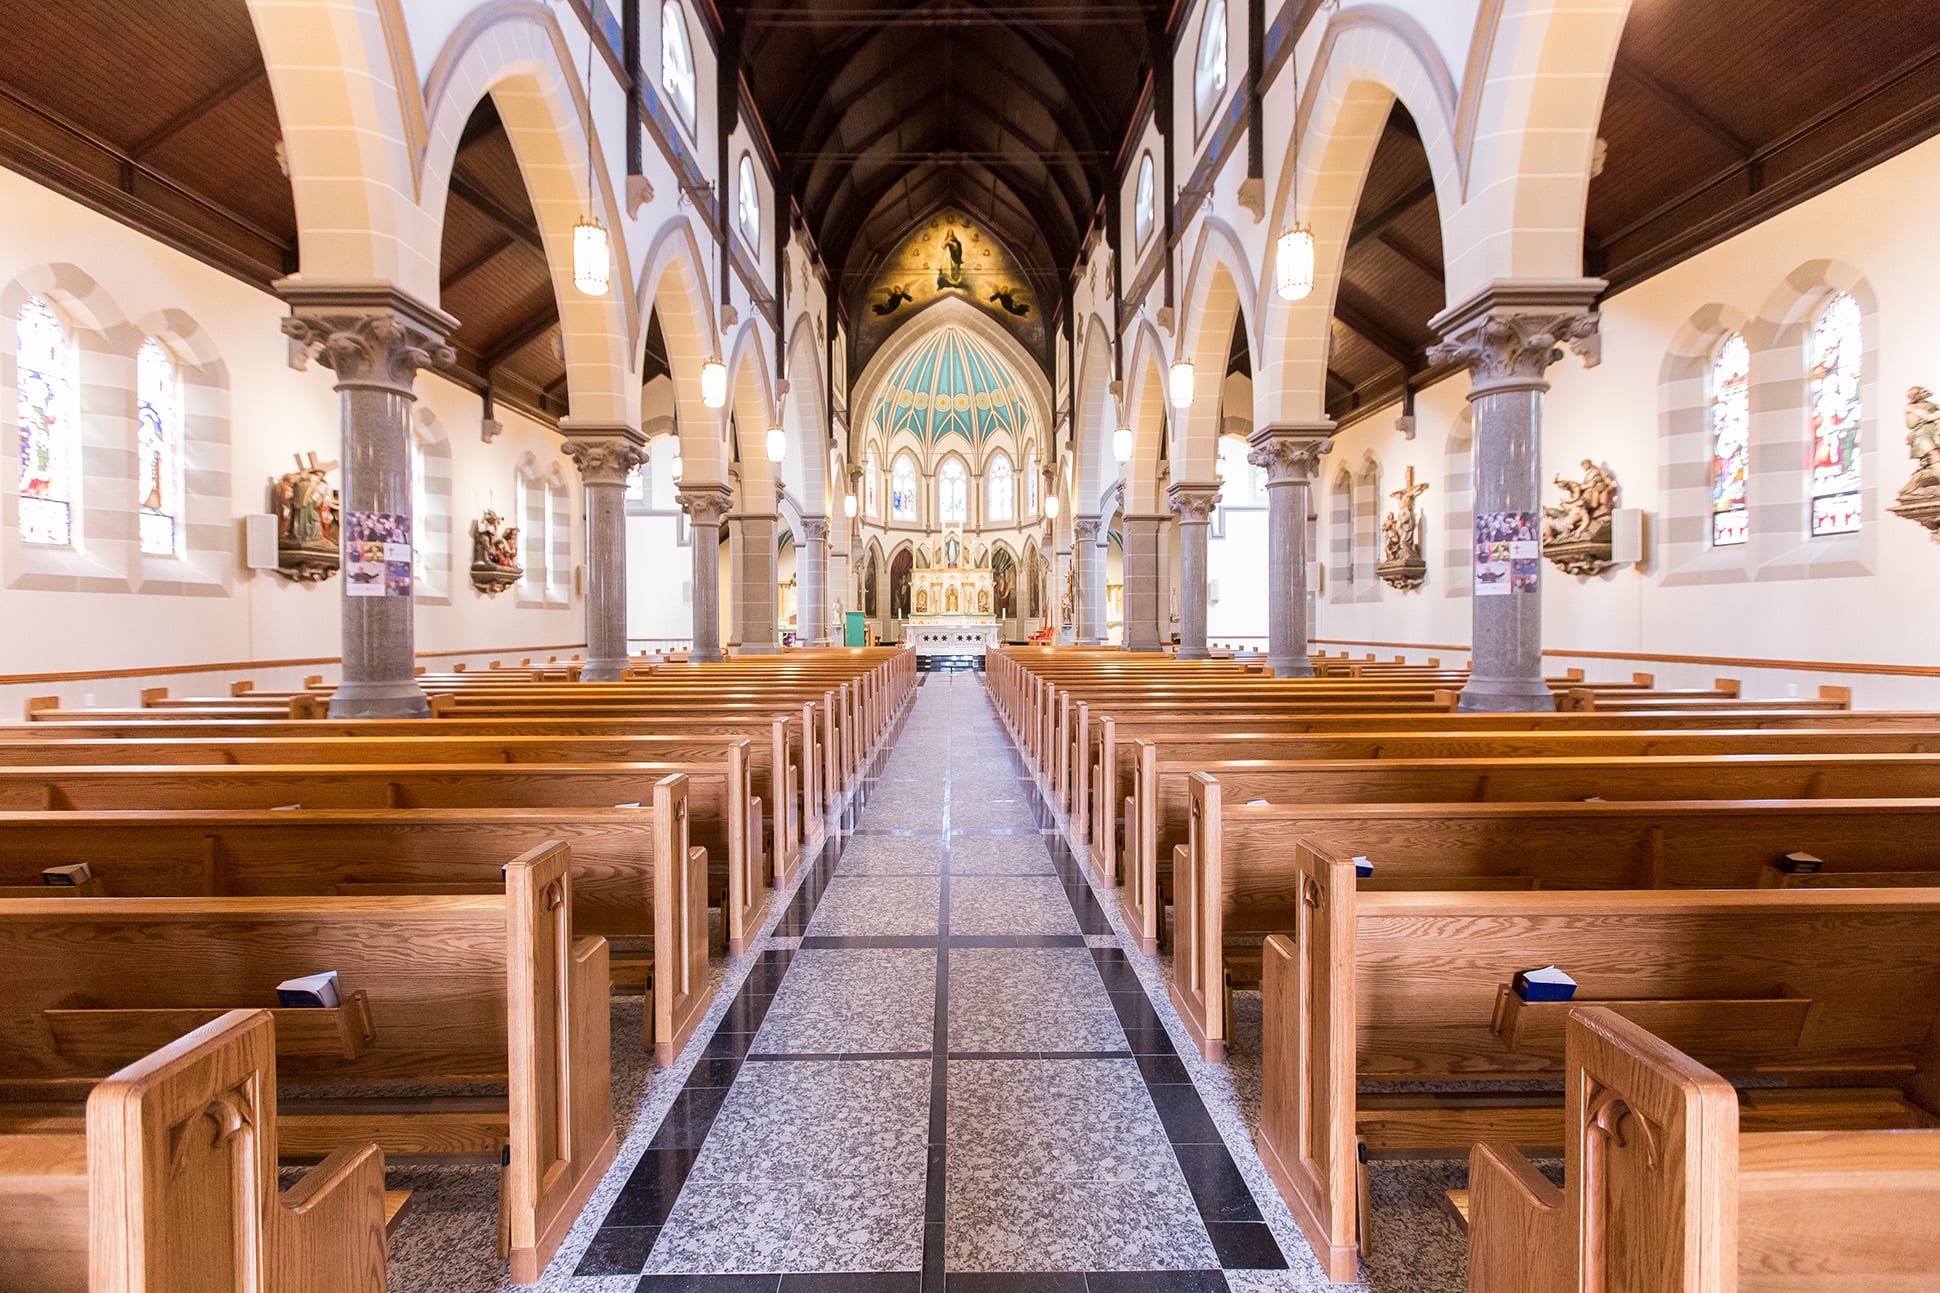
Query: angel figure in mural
[[950, 273], [1922, 441], [897, 294], [1006, 296]]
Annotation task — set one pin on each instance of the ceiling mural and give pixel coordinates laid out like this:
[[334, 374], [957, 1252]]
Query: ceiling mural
[[948, 255], [952, 383]]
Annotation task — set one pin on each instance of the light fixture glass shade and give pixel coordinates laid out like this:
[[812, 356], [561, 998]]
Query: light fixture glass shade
[[1121, 445], [673, 465], [1051, 507], [592, 257], [1219, 468], [848, 506], [777, 444], [1293, 264], [1182, 384], [714, 384]]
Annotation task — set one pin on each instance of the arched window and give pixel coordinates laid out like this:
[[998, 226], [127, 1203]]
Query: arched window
[[747, 202], [1030, 488], [677, 62], [1209, 68], [1730, 439], [902, 489], [1142, 202], [953, 494], [1002, 486], [158, 446], [872, 488], [1836, 361], [49, 432]]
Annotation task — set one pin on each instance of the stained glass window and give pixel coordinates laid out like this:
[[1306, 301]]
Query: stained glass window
[[677, 62], [1836, 346], [902, 489], [872, 488], [1142, 202], [159, 446], [1730, 439], [1209, 70], [1003, 489], [49, 434], [953, 493]]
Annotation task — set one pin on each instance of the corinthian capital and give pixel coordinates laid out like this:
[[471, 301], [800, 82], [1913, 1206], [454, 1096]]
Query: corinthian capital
[[1290, 453], [604, 455], [706, 504], [815, 529], [1086, 528], [1511, 333], [1192, 503], [368, 334]]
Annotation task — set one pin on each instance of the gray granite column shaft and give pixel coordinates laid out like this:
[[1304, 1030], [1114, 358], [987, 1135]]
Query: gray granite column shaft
[[706, 505], [1507, 338], [1142, 582], [374, 338], [811, 579], [1288, 453], [755, 594], [1193, 505], [1089, 594], [605, 457]]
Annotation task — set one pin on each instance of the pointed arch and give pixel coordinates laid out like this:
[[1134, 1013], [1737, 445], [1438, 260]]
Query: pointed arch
[[1219, 296], [1150, 418], [673, 287]]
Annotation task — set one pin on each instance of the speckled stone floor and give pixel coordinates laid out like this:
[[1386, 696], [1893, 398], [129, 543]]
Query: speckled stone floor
[[938, 1067]]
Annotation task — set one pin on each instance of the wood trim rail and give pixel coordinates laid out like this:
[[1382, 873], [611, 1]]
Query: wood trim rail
[[225, 666], [1822, 666]]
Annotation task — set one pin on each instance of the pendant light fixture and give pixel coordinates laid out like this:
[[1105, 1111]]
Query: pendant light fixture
[[714, 383], [1182, 384], [777, 443], [1293, 251], [1121, 445], [592, 250], [1050, 507], [848, 506]]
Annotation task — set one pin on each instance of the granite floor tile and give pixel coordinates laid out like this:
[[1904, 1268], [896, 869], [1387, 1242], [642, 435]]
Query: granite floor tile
[[890, 906], [1004, 1223], [1053, 1119], [895, 855], [867, 999], [823, 1119], [1029, 999], [795, 1225], [1000, 855], [1011, 905]]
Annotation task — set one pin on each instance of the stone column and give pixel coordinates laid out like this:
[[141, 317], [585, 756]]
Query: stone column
[[375, 339], [605, 455], [706, 506], [1507, 337], [1193, 504], [1289, 454], [811, 582], [755, 596], [1142, 608], [1088, 594]]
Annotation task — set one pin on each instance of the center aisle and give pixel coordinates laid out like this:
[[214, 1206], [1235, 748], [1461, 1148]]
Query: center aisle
[[941, 1071]]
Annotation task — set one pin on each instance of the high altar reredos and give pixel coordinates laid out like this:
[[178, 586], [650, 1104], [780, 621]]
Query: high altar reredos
[[952, 608]]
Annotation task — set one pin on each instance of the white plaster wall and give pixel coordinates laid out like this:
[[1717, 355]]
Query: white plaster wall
[[1877, 222], [274, 413]]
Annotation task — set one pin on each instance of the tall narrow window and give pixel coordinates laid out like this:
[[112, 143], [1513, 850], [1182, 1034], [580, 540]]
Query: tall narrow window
[[1142, 202], [872, 488], [902, 489], [747, 202], [49, 432], [1836, 346], [158, 444], [1730, 439], [677, 63], [953, 493], [1209, 69], [1030, 488], [1002, 484]]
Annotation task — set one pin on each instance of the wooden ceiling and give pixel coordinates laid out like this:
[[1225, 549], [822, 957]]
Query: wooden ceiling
[[1016, 110]]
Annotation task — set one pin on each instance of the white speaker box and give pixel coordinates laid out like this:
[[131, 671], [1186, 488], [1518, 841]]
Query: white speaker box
[[259, 540], [1627, 536]]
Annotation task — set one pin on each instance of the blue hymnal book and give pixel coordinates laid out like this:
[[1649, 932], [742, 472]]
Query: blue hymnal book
[[311, 992], [1546, 984], [1362, 867]]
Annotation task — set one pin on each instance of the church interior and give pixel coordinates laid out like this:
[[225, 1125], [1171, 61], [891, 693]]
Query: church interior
[[804, 646]]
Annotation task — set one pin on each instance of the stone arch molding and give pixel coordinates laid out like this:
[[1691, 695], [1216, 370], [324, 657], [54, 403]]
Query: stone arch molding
[[1097, 407], [1151, 419], [673, 284], [1221, 286]]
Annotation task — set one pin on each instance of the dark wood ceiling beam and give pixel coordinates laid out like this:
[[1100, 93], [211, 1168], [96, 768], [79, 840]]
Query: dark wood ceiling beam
[[1684, 106], [506, 220], [195, 112], [1375, 222], [518, 337], [493, 250], [1430, 266], [1356, 313]]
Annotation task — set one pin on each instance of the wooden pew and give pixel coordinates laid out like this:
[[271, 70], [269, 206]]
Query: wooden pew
[[1158, 811], [1663, 1181], [1835, 992], [171, 1186], [453, 990], [724, 816], [1240, 854], [637, 882]]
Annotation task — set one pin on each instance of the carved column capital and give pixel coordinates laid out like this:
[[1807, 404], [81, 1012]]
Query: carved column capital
[[706, 504], [1191, 502], [1086, 528], [1509, 335], [605, 455], [1290, 454], [815, 529], [368, 334]]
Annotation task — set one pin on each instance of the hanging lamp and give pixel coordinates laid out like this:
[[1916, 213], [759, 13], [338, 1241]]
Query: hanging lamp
[[1293, 250], [1183, 385], [592, 249]]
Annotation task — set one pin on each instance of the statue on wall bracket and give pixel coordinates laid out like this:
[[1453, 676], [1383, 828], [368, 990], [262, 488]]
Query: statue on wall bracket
[[495, 555], [1401, 561], [307, 507], [1577, 535], [1919, 499]]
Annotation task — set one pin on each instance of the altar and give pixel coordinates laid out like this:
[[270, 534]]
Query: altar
[[951, 607], [951, 636], [950, 593]]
